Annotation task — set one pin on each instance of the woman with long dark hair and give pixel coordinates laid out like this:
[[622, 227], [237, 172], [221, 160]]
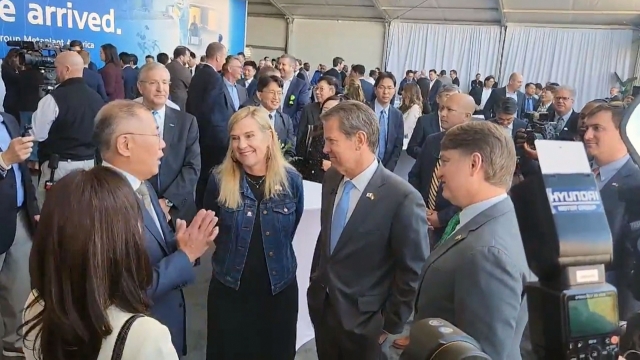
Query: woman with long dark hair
[[112, 72], [90, 272]]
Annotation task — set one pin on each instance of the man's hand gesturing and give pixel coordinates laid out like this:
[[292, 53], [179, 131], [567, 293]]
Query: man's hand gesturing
[[195, 239]]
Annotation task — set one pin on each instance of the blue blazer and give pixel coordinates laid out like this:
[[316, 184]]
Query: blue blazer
[[367, 90], [172, 271], [395, 137], [298, 95], [93, 80], [130, 79]]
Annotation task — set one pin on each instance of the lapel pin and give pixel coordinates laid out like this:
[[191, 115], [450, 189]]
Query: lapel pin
[[458, 237], [370, 196], [172, 125], [249, 214], [614, 184]]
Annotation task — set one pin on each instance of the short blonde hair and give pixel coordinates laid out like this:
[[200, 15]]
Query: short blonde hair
[[487, 139]]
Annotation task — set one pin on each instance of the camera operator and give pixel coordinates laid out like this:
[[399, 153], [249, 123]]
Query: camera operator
[[10, 76], [64, 122]]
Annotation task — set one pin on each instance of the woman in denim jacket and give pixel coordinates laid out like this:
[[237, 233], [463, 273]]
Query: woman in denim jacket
[[252, 306]]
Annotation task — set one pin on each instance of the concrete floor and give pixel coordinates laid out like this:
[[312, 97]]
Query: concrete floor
[[196, 297]]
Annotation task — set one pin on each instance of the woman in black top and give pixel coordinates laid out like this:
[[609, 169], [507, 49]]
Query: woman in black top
[[327, 86], [311, 161]]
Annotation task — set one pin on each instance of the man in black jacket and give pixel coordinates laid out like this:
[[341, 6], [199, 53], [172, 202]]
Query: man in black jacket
[[18, 216]]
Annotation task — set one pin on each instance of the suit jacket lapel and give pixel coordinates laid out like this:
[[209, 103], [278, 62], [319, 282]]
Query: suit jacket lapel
[[362, 209], [170, 122], [327, 213], [278, 124], [12, 129], [462, 232], [290, 91], [150, 223], [227, 95]]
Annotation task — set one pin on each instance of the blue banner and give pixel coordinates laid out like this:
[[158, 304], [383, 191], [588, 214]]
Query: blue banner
[[141, 27]]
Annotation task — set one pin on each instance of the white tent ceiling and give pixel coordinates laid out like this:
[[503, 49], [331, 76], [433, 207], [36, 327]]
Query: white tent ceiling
[[547, 12]]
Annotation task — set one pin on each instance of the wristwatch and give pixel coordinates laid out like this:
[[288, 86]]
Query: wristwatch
[[168, 202]]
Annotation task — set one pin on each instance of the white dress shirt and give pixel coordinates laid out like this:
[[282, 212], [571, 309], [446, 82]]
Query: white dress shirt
[[285, 91], [135, 184], [44, 117], [485, 96], [473, 210], [159, 118], [147, 338], [513, 95], [360, 182], [169, 103]]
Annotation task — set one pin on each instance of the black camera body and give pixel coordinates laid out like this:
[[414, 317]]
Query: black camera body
[[41, 56], [573, 312], [538, 128]]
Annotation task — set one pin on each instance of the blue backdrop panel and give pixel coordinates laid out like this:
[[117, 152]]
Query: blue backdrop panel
[[142, 27]]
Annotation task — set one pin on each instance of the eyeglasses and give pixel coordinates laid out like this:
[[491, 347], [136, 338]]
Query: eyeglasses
[[562, 98], [138, 134]]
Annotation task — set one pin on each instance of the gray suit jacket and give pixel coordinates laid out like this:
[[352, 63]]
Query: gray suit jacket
[[180, 81], [180, 167], [372, 274], [476, 280]]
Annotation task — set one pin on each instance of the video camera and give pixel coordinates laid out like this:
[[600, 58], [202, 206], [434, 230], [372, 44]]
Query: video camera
[[42, 56], [573, 312], [538, 128], [436, 339]]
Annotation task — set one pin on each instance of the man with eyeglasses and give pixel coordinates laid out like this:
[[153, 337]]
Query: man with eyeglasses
[[63, 122], [564, 117], [180, 166]]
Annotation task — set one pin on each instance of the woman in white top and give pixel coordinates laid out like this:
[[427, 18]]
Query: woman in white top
[[90, 271], [411, 107]]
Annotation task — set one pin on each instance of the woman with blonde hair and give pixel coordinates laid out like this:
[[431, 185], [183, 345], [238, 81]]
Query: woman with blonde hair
[[353, 90], [252, 306], [411, 107]]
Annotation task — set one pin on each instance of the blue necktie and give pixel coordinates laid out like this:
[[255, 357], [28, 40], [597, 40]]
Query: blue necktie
[[382, 140], [339, 220]]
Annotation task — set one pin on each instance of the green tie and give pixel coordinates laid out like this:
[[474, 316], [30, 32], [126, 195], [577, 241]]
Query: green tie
[[451, 227]]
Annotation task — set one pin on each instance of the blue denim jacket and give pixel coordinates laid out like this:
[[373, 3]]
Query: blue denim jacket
[[280, 217]]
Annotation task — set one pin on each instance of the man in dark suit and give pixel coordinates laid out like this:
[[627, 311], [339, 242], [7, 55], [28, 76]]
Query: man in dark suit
[[506, 111], [129, 76], [19, 214], [336, 71], [296, 92], [475, 276], [614, 169], [391, 135], [180, 167], [512, 90], [429, 124], [180, 76], [457, 110], [434, 88], [565, 118], [207, 87], [130, 143], [424, 83], [362, 291], [91, 77], [249, 78], [269, 93], [367, 88]]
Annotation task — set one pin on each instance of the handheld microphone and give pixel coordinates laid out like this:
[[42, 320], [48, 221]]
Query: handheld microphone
[[27, 131], [53, 166]]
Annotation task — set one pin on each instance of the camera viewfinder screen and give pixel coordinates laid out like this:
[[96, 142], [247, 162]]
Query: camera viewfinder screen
[[593, 314]]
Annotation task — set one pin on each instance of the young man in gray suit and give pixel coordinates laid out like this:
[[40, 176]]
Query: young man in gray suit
[[372, 246], [476, 274]]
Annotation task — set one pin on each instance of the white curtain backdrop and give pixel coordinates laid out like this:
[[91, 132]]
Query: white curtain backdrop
[[582, 58], [467, 49]]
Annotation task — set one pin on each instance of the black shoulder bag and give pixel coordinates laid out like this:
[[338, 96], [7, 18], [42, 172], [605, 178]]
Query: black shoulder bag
[[121, 340]]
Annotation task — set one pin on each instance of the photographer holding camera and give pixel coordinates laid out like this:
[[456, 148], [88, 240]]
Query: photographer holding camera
[[64, 122]]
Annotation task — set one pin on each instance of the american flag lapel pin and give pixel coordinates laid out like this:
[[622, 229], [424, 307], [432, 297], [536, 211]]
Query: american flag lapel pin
[[370, 196]]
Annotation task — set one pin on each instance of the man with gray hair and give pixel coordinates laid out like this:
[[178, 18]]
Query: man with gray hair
[[372, 245], [430, 123], [180, 168], [565, 117], [296, 91], [129, 142]]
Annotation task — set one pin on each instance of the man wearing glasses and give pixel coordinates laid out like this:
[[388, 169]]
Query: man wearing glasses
[[565, 118]]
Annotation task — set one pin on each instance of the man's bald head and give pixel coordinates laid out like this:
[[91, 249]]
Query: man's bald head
[[69, 64], [464, 102], [515, 82]]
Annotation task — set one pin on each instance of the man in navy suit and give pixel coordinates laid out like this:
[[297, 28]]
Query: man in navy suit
[[129, 141], [19, 213], [296, 91], [129, 77], [91, 77], [512, 90], [390, 121]]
